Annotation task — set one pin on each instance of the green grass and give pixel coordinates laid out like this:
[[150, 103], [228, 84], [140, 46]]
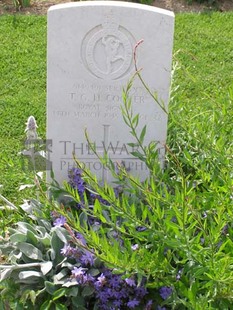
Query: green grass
[[204, 49], [203, 57], [203, 91], [22, 92], [189, 206]]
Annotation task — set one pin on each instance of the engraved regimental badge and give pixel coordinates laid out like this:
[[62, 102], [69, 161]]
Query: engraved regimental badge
[[107, 50]]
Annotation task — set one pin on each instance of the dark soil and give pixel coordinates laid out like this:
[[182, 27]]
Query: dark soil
[[41, 6]]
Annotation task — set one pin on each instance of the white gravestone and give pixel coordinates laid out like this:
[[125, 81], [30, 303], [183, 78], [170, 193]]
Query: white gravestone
[[90, 59]]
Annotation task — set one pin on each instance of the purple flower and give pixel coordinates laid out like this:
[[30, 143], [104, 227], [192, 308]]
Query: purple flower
[[60, 221], [103, 295], [225, 230], [161, 308], [141, 228], [130, 282], [76, 180], [123, 293], [115, 281], [89, 279], [204, 215], [178, 276], [135, 247], [140, 291], [174, 219], [112, 292], [79, 275], [117, 304], [98, 197], [165, 292], [87, 259], [70, 251], [101, 280], [81, 239], [133, 303], [149, 305], [67, 250], [77, 272]]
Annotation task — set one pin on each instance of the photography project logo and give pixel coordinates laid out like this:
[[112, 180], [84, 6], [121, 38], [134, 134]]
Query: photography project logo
[[36, 155], [118, 153]]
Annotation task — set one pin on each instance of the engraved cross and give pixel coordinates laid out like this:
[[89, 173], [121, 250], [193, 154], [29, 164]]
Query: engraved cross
[[106, 148]]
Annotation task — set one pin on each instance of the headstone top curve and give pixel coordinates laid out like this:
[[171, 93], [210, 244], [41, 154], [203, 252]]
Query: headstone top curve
[[121, 4]]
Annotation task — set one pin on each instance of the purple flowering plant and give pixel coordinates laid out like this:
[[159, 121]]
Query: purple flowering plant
[[101, 287], [160, 230], [109, 289], [55, 263]]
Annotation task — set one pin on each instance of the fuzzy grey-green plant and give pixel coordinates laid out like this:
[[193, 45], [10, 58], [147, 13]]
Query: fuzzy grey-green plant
[[35, 274]]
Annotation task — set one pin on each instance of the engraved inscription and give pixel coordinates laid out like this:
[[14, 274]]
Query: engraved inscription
[[110, 112]]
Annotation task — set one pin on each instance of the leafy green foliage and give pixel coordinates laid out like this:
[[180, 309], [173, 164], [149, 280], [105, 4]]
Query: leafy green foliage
[[175, 228]]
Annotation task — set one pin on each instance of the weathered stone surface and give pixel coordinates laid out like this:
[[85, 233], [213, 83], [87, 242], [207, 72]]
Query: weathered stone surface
[[90, 60]]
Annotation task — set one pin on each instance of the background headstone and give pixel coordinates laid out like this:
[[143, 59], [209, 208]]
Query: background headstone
[[90, 60]]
